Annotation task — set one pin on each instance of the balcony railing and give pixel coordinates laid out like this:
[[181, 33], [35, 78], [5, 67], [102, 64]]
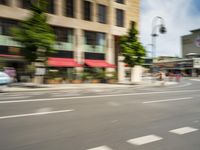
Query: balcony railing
[[8, 41], [94, 48]]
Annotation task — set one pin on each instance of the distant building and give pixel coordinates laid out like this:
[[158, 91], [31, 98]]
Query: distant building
[[191, 43]]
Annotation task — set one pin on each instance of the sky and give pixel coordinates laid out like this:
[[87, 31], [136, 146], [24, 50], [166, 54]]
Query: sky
[[180, 17]]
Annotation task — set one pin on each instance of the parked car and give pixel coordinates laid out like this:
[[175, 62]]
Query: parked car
[[4, 79]]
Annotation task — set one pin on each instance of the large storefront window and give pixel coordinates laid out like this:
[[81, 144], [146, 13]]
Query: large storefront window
[[94, 41]]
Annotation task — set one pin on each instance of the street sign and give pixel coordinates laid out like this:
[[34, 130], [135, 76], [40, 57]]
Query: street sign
[[196, 62], [197, 41]]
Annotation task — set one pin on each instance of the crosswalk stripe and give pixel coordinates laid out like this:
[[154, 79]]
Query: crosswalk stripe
[[183, 130], [144, 140], [101, 148]]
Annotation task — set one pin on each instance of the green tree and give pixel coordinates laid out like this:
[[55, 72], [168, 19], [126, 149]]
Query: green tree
[[35, 35], [132, 49]]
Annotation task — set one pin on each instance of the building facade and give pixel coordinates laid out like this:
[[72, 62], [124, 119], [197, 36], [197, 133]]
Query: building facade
[[191, 43], [85, 29]]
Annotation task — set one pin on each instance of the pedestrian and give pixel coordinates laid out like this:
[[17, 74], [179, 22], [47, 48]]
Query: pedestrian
[[178, 77]]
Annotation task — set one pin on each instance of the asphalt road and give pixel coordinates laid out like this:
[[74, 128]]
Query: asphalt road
[[156, 118]]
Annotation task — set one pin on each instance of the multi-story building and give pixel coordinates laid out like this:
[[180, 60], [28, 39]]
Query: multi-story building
[[87, 31]]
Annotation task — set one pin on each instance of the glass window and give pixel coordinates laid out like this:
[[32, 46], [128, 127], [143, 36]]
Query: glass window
[[119, 18], [120, 1], [26, 4], [4, 2], [87, 10], [70, 8], [6, 25], [51, 7], [94, 38], [63, 34], [102, 11]]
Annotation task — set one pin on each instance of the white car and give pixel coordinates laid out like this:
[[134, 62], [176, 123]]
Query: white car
[[4, 79]]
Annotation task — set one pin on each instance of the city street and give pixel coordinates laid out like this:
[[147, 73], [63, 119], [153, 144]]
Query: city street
[[137, 118]]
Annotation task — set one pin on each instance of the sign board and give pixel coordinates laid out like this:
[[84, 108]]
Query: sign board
[[197, 41], [40, 71], [196, 62]]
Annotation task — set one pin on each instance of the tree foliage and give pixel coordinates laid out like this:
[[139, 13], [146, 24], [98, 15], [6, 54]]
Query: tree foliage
[[132, 49], [35, 35]]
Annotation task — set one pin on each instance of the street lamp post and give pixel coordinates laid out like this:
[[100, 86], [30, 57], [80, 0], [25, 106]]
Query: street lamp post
[[160, 26]]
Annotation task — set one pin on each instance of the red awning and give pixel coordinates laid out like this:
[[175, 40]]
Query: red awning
[[98, 63], [62, 62]]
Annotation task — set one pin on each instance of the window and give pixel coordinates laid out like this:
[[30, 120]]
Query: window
[[119, 18], [94, 38], [70, 8], [102, 11], [120, 1], [51, 7], [4, 2], [87, 10], [6, 25], [26, 4], [63, 34]]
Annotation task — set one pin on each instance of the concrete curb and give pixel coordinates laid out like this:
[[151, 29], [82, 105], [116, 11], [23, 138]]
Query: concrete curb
[[78, 87]]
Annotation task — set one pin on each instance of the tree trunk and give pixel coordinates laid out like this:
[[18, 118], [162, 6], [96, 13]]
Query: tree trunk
[[40, 71], [136, 74]]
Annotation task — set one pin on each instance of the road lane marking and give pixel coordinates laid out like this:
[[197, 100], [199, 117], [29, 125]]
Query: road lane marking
[[195, 79], [35, 114], [113, 104], [16, 97], [101, 148], [167, 100], [96, 96], [144, 140], [62, 95], [183, 130], [180, 86]]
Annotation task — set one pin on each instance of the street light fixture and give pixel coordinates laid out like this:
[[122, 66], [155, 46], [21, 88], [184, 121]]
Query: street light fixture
[[160, 26]]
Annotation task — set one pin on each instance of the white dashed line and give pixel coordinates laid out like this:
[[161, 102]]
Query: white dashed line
[[101, 148], [144, 140], [183, 130], [35, 114], [168, 100]]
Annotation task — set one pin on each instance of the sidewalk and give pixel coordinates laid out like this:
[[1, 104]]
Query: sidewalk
[[25, 87]]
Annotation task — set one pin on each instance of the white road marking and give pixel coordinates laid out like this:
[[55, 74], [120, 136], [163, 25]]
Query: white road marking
[[180, 86], [46, 109], [114, 104], [16, 97], [61, 95], [195, 79], [35, 114], [167, 100], [183, 130], [101, 148], [144, 140], [96, 96]]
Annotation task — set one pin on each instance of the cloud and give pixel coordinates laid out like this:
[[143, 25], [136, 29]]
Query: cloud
[[180, 17]]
